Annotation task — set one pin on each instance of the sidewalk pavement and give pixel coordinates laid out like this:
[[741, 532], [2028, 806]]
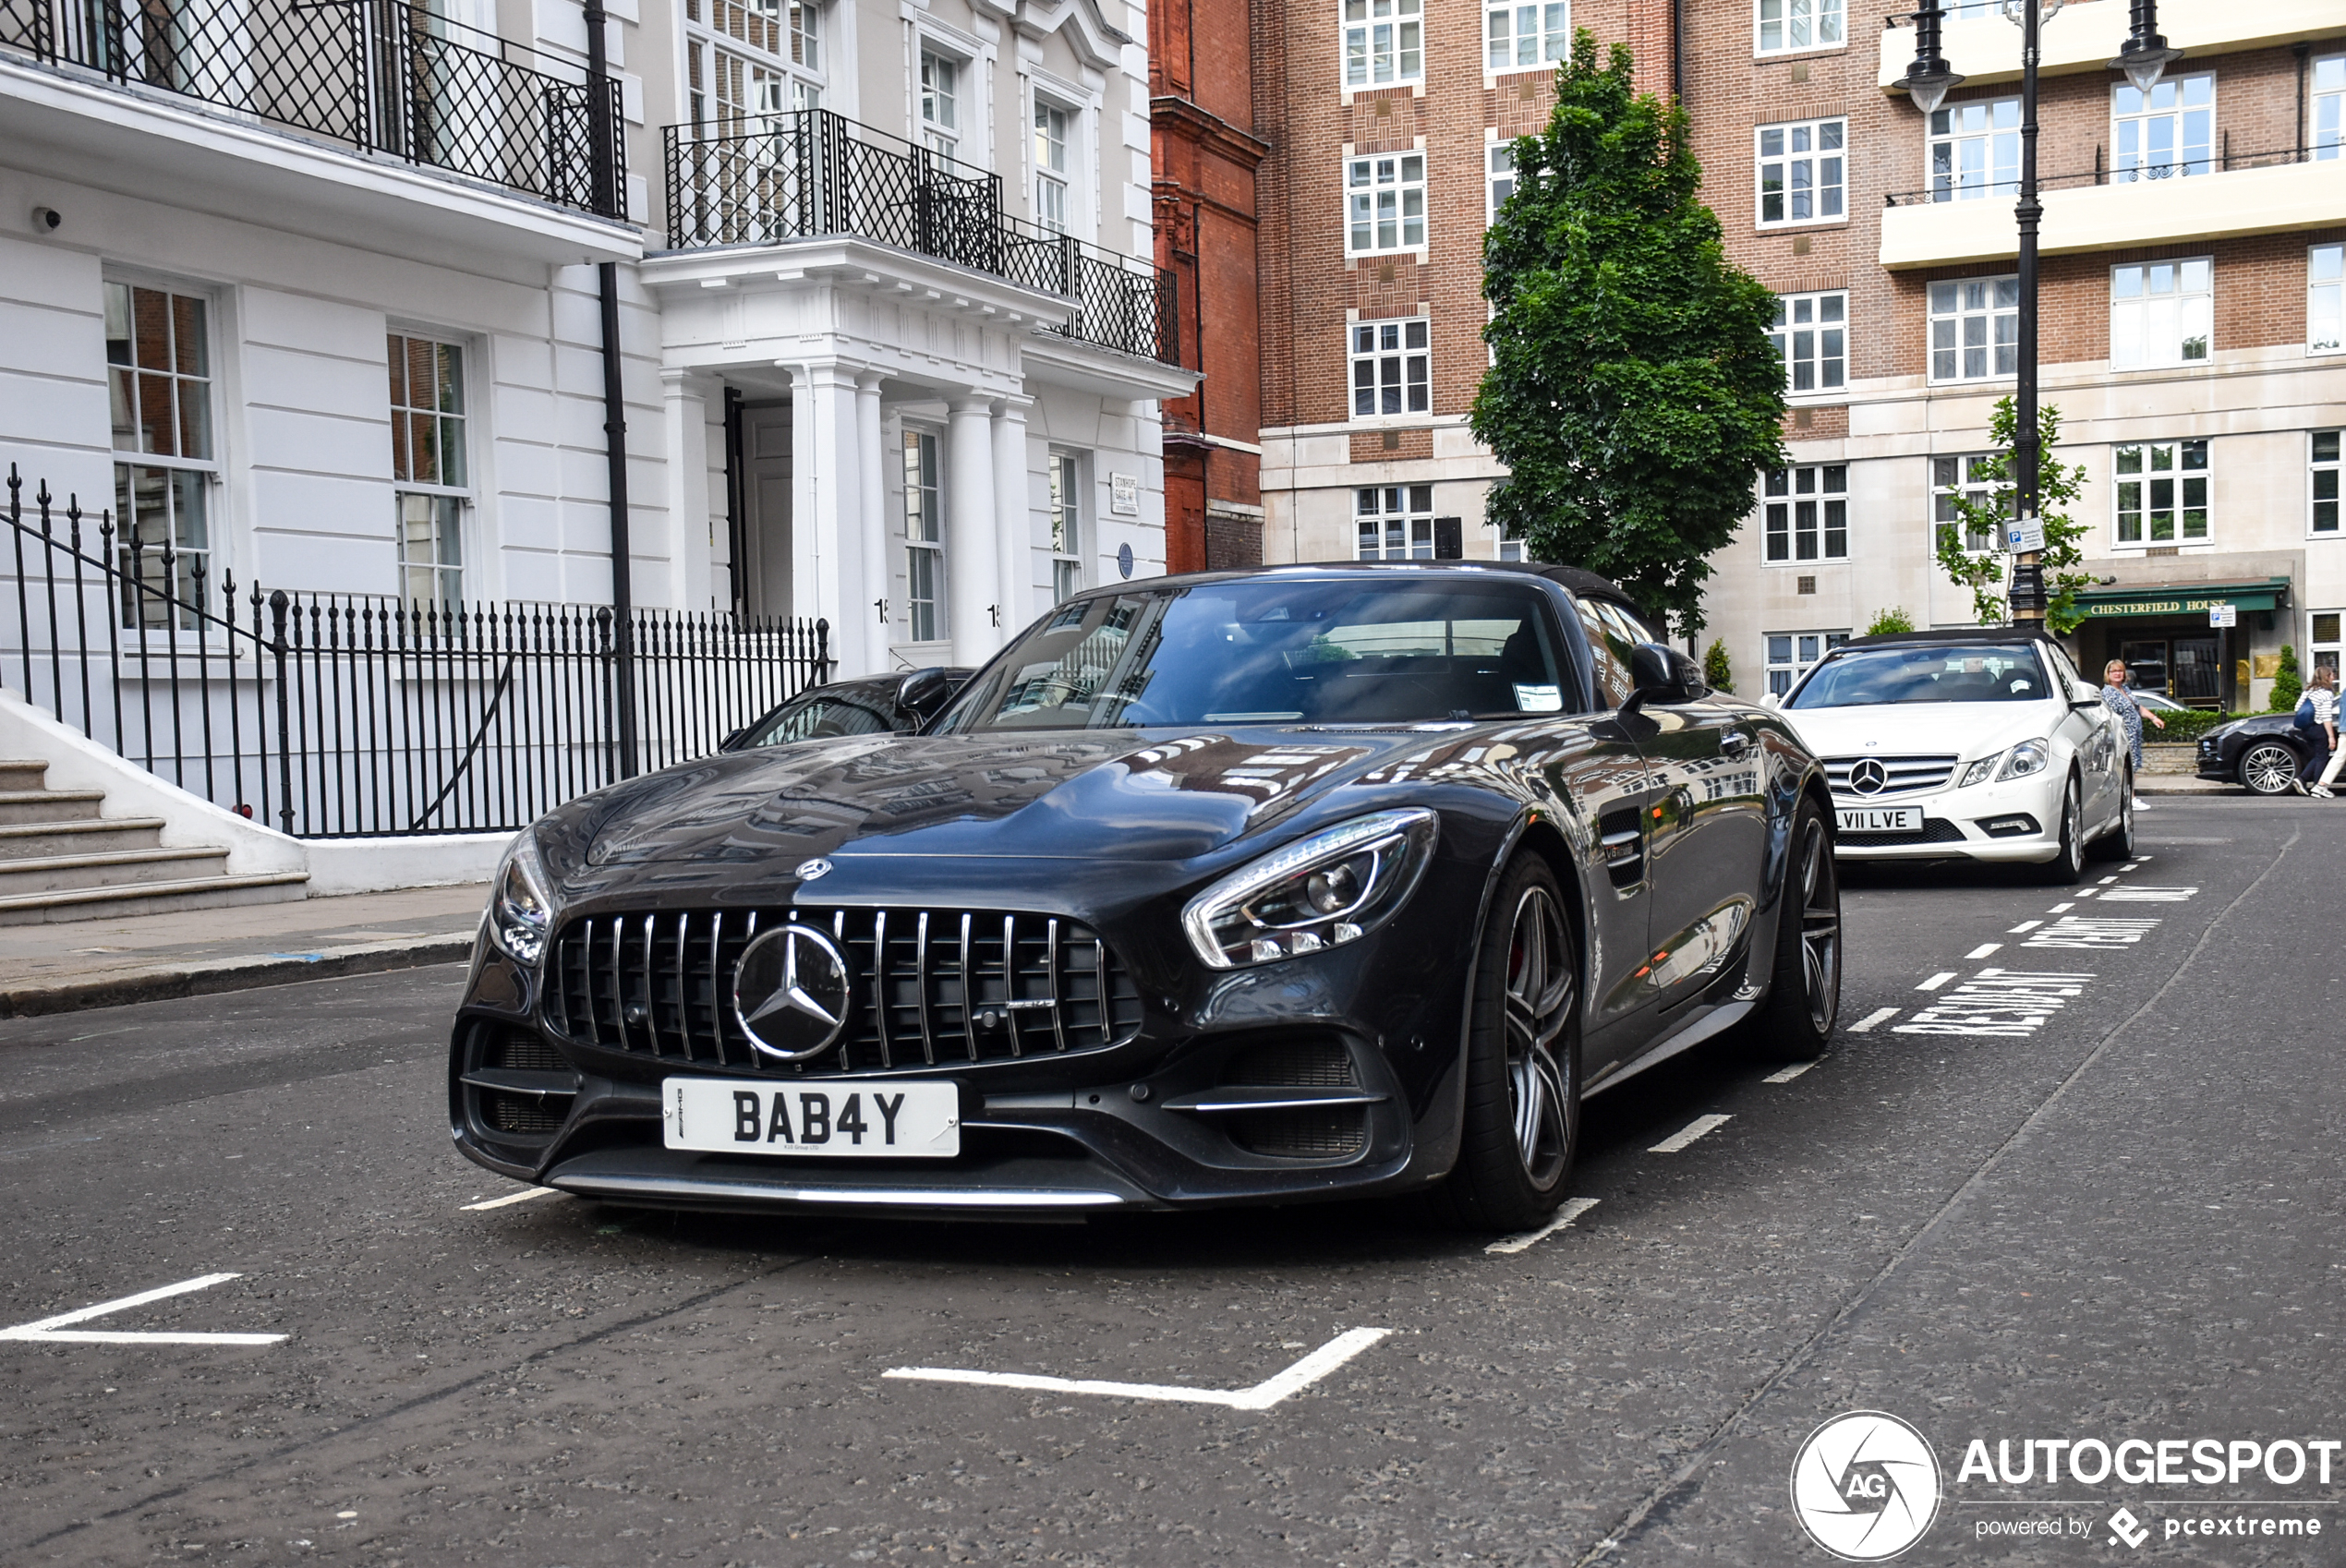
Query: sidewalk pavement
[[102, 963], [2182, 784]]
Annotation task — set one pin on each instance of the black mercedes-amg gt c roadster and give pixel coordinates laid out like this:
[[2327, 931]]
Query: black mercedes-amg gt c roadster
[[1240, 888]]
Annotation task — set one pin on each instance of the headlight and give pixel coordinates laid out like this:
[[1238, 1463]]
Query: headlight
[[520, 913], [1979, 772], [2029, 756], [1318, 892]]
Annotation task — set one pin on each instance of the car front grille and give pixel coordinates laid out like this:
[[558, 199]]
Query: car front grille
[[1904, 776], [927, 987]]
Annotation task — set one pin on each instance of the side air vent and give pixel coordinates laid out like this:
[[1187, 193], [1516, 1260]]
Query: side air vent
[[517, 1089]]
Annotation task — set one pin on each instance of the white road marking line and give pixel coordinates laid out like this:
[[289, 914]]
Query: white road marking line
[[1262, 1396], [56, 1328], [2023, 925], [1879, 1015], [1564, 1216], [2058, 908], [1678, 1140], [1936, 981], [2084, 892], [2105, 881], [523, 1196], [1785, 1075], [2009, 1002], [2143, 893], [1985, 949], [2091, 931]]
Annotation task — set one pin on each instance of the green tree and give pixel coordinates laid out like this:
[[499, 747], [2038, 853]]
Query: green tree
[[2289, 682], [1982, 522], [1895, 619], [1634, 394], [1717, 673]]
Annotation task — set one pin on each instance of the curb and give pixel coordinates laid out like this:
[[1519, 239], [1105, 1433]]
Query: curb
[[210, 977]]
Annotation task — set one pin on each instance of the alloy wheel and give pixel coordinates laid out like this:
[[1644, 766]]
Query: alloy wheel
[[1539, 1006], [2268, 767], [1820, 928]]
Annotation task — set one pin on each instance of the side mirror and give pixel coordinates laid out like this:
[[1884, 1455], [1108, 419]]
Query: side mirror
[[734, 739], [1659, 673], [925, 692]]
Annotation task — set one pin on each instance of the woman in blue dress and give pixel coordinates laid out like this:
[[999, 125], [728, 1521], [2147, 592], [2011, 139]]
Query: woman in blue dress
[[2119, 701]]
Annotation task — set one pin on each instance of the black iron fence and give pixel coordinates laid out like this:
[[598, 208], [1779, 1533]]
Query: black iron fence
[[2169, 164], [813, 174], [331, 716], [374, 76]]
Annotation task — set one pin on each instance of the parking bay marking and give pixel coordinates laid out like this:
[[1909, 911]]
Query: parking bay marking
[[55, 1328], [1936, 981], [1678, 1140], [1262, 1396], [2091, 932], [1985, 949], [1564, 1216], [1879, 1015], [2141, 894], [1785, 1075], [523, 1196], [2026, 926], [2003, 1002]]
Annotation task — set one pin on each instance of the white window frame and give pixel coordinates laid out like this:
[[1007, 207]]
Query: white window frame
[[2196, 142], [1800, 501], [2325, 298], [2147, 297], [1393, 522], [1958, 310], [2322, 642], [451, 501], [1384, 43], [1958, 476], [1366, 184], [2325, 484], [185, 478], [780, 80], [941, 134], [1800, 153], [1964, 162], [1055, 181], [1498, 169], [2144, 479], [1799, 27], [1811, 334], [921, 452], [1800, 653], [1505, 36], [1398, 354], [1064, 473], [2326, 107]]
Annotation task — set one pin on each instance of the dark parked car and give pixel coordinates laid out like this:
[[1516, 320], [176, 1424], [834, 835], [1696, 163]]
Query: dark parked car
[[1305, 882], [872, 705], [2266, 753]]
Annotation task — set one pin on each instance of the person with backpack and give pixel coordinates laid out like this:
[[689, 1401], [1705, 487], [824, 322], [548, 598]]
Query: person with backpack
[[2317, 721], [2118, 700]]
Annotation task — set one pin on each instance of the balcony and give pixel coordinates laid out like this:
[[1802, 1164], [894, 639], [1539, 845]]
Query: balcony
[[163, 97], [2084, 39], [814, 174], [2223, 195]]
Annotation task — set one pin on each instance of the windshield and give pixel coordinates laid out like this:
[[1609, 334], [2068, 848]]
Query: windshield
[[852, 710], [1863, 677], [1269, 651]]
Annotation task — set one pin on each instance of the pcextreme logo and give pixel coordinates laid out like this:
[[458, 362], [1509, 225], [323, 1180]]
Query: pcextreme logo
[[1865, 1486]]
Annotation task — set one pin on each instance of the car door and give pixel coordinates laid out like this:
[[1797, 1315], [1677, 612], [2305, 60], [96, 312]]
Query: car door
[[2093, 735]]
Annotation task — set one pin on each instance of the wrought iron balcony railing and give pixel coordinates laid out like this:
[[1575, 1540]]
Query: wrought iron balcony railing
[[814, 173], [2174, 165], [374, 76]]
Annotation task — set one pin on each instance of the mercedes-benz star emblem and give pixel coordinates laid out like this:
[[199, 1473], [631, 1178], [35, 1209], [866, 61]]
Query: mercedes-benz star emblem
[[1868, 777], [791, 992], [808, 871]]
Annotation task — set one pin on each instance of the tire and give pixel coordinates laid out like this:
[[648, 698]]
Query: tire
[[1794, 1022], [1521, 1123], [2118, 844], [2069, 864], [2268, 767]]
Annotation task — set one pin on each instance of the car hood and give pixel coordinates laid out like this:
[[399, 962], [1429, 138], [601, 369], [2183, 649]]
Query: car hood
[[1967, 730], [1146, 795]]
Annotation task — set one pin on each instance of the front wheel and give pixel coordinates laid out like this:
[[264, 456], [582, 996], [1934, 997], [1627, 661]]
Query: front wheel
[[2268, 767], [1522, 1118], [2069, 862], [1795, 1023]]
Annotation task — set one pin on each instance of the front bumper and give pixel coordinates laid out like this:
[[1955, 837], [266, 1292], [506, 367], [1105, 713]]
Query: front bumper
[[1955, 823]]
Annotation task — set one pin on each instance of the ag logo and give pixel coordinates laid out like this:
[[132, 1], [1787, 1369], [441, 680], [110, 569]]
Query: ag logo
[[1865, 1486], [791, 992]]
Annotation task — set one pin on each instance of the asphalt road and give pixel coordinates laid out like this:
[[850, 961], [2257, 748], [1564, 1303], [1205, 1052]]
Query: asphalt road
[[2121, 1221]]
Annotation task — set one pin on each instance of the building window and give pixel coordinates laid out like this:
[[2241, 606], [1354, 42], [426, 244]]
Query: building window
[[1395, 522], [1386, 202], [1499, 158], [1974, 150], [1791, 655], [2322, 641], [1067, 524], [1811, 333], [924, 536], [940, 104], [2167, 132], [1786, 25], [743, 61], [2160, 313], [1383, 42], [2327, 111], [1050, 166], [2325, 467], [1807, 513], [427, 466], [2325, 309], [2162, 493], [159, 383], [1974, 328], [1801, 176], [1390, 368], [1966, 479], [1517, 37]]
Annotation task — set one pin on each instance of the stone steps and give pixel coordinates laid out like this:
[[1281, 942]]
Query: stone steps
[[61, 860]]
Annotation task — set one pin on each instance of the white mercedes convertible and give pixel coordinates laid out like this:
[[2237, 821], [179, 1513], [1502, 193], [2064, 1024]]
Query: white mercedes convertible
[[1982, 743]]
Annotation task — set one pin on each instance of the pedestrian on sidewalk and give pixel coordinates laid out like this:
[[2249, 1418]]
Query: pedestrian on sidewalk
[[2119, 701], [2321, 694]]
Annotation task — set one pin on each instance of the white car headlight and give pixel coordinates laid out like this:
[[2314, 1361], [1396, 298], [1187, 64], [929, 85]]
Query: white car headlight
[[520, 912], [1979, 772], [1318, 892], [2029, 756]]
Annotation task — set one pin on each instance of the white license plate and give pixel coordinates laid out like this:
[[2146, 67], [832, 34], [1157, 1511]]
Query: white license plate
[[872, 1118], [1882, 819]]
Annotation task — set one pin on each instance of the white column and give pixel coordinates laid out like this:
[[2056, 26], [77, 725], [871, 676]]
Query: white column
[[973, 559], [685, 409], [879, 574], [827, 514], [1015, 514]]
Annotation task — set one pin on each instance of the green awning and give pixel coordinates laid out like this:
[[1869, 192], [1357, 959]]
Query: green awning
[[2191, 598]]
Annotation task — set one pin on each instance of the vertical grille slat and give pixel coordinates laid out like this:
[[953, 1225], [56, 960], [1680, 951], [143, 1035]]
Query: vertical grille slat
[[967, 981]]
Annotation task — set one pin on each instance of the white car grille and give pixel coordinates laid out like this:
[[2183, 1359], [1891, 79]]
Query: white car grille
[[1900, 776]]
